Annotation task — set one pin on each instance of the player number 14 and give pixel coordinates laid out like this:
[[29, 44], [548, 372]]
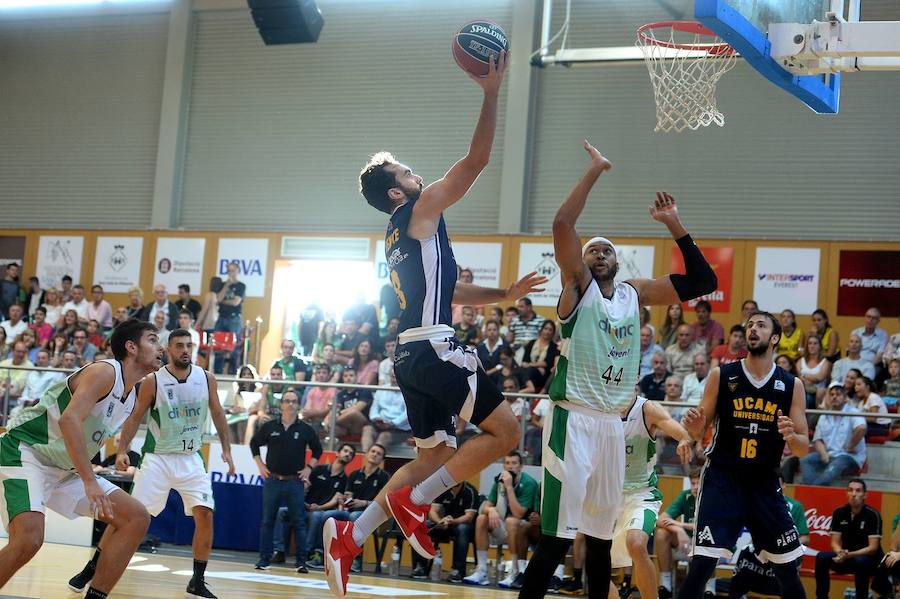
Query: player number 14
[[187, 445], [748, 448]]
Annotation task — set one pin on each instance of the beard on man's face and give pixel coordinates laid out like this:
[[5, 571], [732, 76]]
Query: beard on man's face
[[759, 349], [609, 275]]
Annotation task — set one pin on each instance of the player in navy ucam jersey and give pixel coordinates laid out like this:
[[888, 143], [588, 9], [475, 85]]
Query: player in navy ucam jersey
[[756, 407], [440, 379]]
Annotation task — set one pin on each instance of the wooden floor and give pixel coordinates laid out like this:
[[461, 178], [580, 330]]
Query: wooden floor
[[161, 577]]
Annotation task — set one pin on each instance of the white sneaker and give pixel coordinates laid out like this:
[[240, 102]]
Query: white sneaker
[[507, 582], [478, 577]]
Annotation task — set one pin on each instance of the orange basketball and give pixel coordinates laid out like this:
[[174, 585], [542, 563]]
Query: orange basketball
[[476, 43]]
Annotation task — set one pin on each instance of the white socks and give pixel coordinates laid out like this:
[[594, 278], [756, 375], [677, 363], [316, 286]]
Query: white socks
[[372, 517], [481, 555], [665, 580], [429, 489]]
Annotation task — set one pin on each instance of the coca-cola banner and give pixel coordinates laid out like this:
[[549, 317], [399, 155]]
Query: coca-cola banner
[[721, 259], [819, 504], [869, 278]]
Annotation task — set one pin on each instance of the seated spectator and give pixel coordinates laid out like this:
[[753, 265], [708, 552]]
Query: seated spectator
[[891, 388], [242, 402], [786, 363], [13, 381], [40, 326], [57, 347], [855, 543], [838, 446], [466, 330], [651, 386], [331, 361], [673, 536], [892, 350], [388, 422], [814, 370], [496, 314], [186, 302], [747, 308], [870, 402], [734, 350], [95, 337], [84, 351], [705, 330], [293, 367], [317, 401], [791, 341], [53, 305], [510, 314], [648, 348], [645, 321], [873, 339], [540, 354], [363, 485], [161, 304], [120, 315], [534, 432], [518, 405], [349, 339], [451, 518], [853, 360], [68, 324], [65, 290], [33, 298], [831, 342], [37, 382], [387, 364], [695, 382], [669, 330], [526, 325], [352, 408], [10, 292], [5, 346], [186, 322], [327, 336], [78, 303], [489, 349], [506, 518], [508, 367], [69, 361], [135, 303], [99, 309], [31, 347], [365, 362], [159, 321], [850, 385], [14, 325], [680, 355]]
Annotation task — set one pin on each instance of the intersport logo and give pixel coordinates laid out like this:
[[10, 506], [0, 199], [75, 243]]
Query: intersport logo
[[819, 525]]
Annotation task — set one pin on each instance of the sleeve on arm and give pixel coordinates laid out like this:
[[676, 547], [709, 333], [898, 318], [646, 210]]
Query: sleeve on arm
[[677, 508], [259, 438], [315, 445], [492, 496]]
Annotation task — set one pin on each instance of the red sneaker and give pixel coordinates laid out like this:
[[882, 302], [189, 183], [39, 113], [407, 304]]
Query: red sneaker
[[337, 539], [411, 518]]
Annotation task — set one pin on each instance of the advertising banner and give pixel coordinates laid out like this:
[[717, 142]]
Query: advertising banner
[[869, 278], [251, 256], [787, 278], [57, 257], [179, 260], [117, 263]]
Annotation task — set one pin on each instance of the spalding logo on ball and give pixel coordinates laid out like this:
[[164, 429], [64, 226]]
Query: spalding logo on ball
[[476, 44]]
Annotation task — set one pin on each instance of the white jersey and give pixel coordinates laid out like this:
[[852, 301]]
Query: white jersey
[[640, 449], [179, 413]]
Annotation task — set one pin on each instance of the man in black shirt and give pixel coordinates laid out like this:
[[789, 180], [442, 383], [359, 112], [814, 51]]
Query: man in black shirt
[[324, 493], [653, 384], [451, 518], [231, 298], [855, 542], [285, 473], [186, 302], [362, 487]]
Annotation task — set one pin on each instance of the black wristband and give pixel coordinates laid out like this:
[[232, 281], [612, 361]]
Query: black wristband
[[699, 278]]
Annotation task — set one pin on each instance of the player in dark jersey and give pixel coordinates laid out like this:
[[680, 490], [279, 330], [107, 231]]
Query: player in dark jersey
[[739, 487], [440, 379]]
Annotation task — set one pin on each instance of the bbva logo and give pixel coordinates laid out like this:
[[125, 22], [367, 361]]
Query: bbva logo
[[245, 267]]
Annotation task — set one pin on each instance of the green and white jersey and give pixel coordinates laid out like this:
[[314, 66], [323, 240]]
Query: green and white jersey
[[179, 412], [600, 352], [38, 426], [640, 450]]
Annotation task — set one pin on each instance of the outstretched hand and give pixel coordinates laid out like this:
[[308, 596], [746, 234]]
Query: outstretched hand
[[491, 82], [598, 160], [664, 209], [694, 421], [530, 283]]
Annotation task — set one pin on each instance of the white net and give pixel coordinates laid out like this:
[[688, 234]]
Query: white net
[[685, 61]]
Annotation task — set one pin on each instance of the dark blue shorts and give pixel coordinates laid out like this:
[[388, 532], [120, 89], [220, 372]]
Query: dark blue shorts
[[440, 380], [732, 498]]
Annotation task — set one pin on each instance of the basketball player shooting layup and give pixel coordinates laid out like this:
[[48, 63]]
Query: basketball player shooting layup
[[739, 486], [439, 378], [45, 457], [584, 447]]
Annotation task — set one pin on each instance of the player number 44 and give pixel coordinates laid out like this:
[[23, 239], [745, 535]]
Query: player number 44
[[748, 448], [609, 378]]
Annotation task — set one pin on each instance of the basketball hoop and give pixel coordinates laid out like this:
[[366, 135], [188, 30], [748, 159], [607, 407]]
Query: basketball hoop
[[686, 61]]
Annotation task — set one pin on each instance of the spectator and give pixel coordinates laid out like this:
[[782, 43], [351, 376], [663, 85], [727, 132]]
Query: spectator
[[159, 321], [349, 339], [99, 309], [30, 340], [69, 324], [293, 367], [365, 363], [84, 351], [526, 325], [855, 543], [120, 315], [311, 319], [814, 370], [243, 399], [850, 385], [891, 387], [467, 277], [5, 346], [162, 305], [511, 313], [648, 349], [673, 388], [34, 299], [387, 364], [363, 485], [78, 303], [747, 308], [331, 360], [466, 330], [57, 347], [497, 315], [186, 322], [209, 311], [40, 326], [645, 321], [734, 350], [706, 330], [674, 536], [317, 401], [327, 336], [518, 405], [284, 474], [13, 381], [890, 567], [695, 382], [14, 325], [186, 302], [273, 391], [791, 341], [669, 330], [388, 422], [38, 382], [831, 343], [367, 318], [786, 363], [489, 349], [69, 362], [65, 290], [535, 430], [352, 408], [451, 518], [9, 289], [853, 360], [892, 350], [869, 401], [508, 367], [506, 518], [53, 304], [231, 299], [540, 354], [651, 385], [680, 355], [93, 332], [874, 339], [136, 303], [838, 443]]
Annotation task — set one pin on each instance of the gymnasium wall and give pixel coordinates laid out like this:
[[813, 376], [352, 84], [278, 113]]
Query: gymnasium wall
[[273, 138]]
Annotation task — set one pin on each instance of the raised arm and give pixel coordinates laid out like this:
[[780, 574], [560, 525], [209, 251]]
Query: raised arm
[[566, 243], [448, 190], [699, 278], [467, 293]]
